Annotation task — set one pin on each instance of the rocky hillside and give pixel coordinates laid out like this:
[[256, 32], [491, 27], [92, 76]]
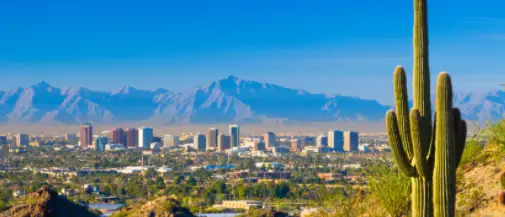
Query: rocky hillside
[[45, 203], [160, 207]]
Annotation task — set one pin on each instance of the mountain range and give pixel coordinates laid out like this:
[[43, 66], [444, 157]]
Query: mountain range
[[223, 101]]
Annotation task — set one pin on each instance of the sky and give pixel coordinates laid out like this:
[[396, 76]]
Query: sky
[[333, 47]]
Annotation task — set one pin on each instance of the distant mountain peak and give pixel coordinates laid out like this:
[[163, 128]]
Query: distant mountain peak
[[42, 85], [125, 90]]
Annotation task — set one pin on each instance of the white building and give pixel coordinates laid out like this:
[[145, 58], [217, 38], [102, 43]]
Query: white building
[[170, 140], [336, 140], [145, 137]]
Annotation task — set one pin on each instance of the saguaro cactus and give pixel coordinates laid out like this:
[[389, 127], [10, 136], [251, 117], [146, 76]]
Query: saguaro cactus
[[428, 154]]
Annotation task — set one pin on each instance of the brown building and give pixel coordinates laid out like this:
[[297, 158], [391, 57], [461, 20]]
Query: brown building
[[296, 145], [223, 143], [86, 135], [117, 136], [132, 137], [212, 135], [270, 140]]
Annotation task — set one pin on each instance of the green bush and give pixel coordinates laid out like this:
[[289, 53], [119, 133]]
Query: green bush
[[391, 188]]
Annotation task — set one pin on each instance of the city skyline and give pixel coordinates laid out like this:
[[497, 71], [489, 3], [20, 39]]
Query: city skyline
[[332, 42]]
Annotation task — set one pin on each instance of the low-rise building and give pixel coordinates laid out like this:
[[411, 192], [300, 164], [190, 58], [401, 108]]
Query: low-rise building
[[240, 204]]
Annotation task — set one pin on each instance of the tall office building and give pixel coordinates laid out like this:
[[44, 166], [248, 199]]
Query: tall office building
[[270, 140], [336, 140], [321, 141], [22, 139], [145, 137], [296, 145], [223, 143], [117, 136], [212, 138], [200, 142], [132, 138], [170, 140], [86, 135], [351, 141], [234, 135]]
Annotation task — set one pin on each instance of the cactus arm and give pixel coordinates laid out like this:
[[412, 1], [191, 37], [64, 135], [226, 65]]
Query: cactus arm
[[402, 110], [460, 141], [420, 152], [430, 158], [460, 129], [444, 170], [395, 142]]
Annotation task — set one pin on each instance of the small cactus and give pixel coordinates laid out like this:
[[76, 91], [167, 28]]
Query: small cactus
[[501, 198]]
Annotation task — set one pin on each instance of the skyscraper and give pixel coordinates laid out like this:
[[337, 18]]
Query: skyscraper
[[132, 138], [223, 143], [212, 138], [117, 136], [270, 140], [86, 135], [234, 135], [22, 139], [351, 141], [322, 141], [296, 145], [200, 142], [336, 140], [145, 137]]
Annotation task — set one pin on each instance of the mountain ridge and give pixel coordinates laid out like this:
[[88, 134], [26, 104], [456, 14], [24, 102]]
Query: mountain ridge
[[231, 99]]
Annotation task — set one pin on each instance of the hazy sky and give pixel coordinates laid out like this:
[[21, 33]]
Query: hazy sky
[[334, 47]]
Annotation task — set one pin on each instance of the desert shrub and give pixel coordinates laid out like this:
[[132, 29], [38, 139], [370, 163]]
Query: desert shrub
[[473, 148], [471, 198], [391, 188]]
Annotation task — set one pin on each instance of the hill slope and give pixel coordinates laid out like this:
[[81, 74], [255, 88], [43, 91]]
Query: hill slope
[[45, 203]]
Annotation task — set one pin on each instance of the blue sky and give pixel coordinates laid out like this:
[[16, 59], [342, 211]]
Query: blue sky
[[334, 47]]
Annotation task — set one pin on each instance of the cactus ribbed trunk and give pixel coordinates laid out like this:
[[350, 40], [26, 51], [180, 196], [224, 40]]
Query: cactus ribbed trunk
[[444, 176], [421, 200]]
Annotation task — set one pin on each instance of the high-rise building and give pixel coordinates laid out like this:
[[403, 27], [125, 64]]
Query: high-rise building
[[270, 140], [321, 141], [117, 136], [170, 140], [132, 138], [223, 142], [336, 140], [3, 140], [71, 138], [212, 138], [22, 139], [86, 135], [259, 146], [296, 145], [100, 143], [200, 142], [351, 141], [234, 135], [146, 135]]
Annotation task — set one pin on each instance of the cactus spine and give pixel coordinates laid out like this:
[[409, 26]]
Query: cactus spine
[[429, 155]]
